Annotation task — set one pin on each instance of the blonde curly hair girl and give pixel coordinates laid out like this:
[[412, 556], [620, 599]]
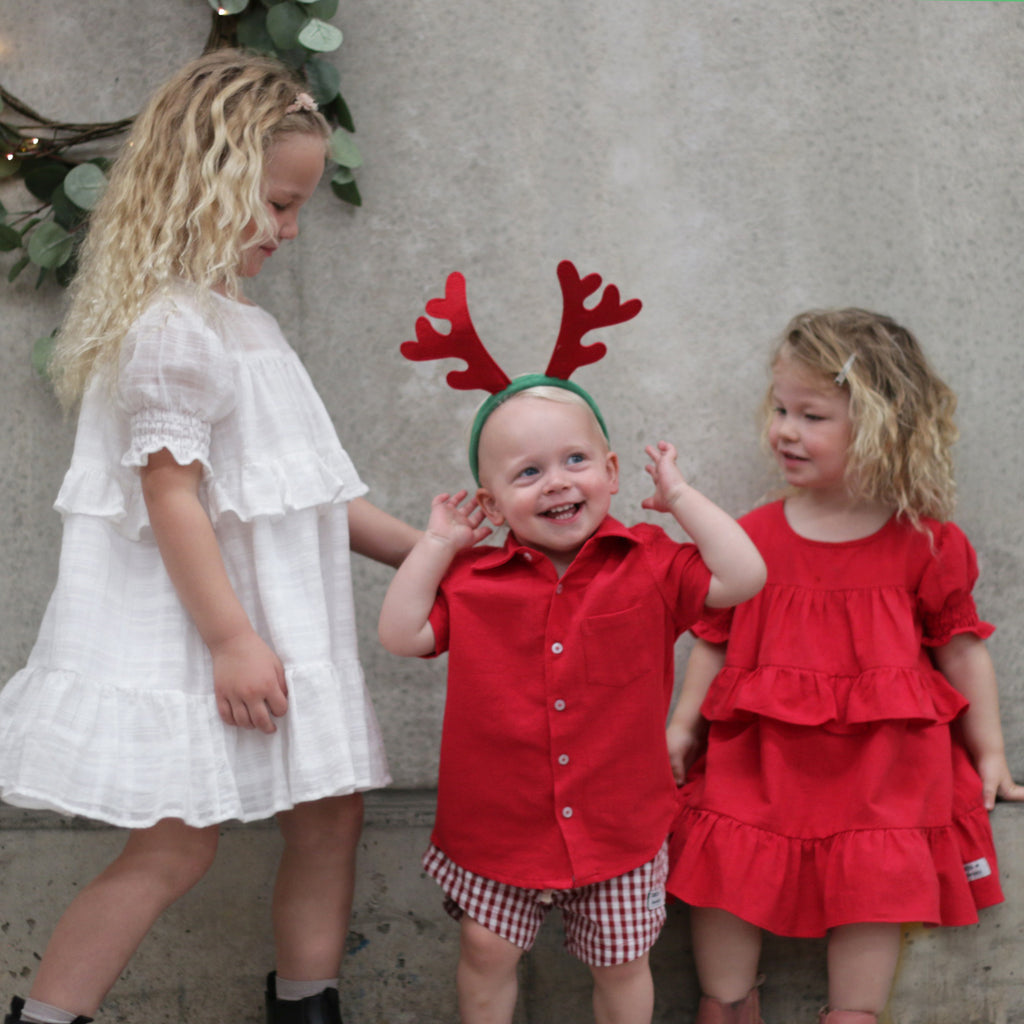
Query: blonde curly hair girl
[[181, 194], [902, 412]]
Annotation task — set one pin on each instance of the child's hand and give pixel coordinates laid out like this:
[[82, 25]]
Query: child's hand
[[668, 481], [683, 747], [248, 682], [452, 523], [997, 781]]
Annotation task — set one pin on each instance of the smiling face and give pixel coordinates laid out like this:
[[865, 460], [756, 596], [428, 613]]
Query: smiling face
[[810, 429], [546, 471], [293, 167]]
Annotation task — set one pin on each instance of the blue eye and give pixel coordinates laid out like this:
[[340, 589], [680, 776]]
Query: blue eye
[[576, 458], [529, 471]]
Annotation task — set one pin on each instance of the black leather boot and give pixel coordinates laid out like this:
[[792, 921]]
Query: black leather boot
[[323, 1008], [14, 1017]]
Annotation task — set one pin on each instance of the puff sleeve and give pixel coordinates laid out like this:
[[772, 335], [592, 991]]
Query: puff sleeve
[[945, 599], [176, 380], [714, 625]]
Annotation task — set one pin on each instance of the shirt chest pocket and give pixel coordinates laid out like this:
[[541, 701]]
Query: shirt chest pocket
[[619, 648]]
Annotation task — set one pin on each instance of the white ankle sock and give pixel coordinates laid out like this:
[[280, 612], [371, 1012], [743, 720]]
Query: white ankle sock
[[35, 1012], [291, 991]]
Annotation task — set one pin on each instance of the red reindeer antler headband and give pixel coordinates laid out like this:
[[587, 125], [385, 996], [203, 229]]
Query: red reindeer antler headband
[[483, 373]]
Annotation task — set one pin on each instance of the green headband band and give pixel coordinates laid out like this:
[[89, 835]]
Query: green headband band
[[523, 383]]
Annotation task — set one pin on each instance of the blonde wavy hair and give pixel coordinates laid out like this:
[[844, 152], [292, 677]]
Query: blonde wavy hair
[[901, 411], [182, 192]]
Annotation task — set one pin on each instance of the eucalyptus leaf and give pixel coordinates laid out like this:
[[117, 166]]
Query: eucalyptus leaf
[[319, 36], [252, 31], [50, 245], [66, 213], [43, 176], [42, 353], [66, 271], [9, 168], [84, 185], [343, 150], [322, 9], [347, 192], [324, 80], [284, 23], [342, 114], [17, 268], [9, 238]]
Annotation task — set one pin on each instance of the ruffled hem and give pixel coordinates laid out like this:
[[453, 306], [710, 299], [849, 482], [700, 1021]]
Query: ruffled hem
[[305, 480], [132, 758], [96, 492], [802, 888], [965, 620], [185, 436], [806, 697]]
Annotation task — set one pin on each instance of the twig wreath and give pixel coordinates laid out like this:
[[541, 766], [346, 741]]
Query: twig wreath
[[43, 152]]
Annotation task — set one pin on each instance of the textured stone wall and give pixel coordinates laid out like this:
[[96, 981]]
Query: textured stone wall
[[730, 163]]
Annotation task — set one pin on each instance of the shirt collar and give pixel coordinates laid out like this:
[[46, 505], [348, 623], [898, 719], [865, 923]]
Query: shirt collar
[[610, 527]]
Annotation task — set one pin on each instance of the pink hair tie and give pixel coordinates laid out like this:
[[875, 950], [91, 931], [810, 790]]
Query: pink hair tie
[[303, 101]]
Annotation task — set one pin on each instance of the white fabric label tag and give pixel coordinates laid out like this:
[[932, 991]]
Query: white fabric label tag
[[977, 869], [656, 899]]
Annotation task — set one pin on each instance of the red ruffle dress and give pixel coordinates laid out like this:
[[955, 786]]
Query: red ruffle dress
[[835, 788]]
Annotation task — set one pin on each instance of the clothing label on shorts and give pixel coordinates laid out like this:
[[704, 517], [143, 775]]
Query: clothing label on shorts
[[977, 869], [656, 899]]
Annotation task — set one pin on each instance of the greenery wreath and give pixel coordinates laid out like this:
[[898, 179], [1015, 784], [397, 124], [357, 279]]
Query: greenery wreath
[[41, 152]]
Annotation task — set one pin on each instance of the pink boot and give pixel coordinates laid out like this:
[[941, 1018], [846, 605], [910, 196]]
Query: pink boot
[[743, 1011], [827, 1016]]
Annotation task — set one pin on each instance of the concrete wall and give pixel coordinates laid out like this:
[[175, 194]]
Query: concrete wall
[[730, 163]]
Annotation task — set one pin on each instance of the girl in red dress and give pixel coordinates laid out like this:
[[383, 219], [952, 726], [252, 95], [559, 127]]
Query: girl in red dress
[[854, 745]]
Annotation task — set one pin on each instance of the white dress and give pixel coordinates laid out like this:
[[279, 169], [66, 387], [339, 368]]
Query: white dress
[[114, 716]]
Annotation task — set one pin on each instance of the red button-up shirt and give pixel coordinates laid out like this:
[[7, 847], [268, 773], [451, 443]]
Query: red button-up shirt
[[554, 771]]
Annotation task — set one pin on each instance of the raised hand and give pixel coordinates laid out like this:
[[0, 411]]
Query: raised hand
[[668, 481], [456, 524]]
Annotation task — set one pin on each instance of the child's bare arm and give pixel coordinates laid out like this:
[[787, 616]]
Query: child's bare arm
[[248, 677], [737, 569], [966, 663], [686, 727], [404, 626], [379, 535]]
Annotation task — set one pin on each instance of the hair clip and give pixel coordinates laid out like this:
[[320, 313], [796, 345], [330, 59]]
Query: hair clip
[[302, 101], [840, 377], [483, 373]]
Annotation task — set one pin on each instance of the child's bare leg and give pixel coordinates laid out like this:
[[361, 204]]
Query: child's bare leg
[[486, 977], [315, 881], [861, 965], [726, 950], [624, 994], [103, 926]]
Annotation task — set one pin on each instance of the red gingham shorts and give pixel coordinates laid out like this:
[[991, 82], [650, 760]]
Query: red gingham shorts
[[607, 923]]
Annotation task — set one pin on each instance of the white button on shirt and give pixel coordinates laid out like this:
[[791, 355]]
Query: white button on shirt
[[557, 648]]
